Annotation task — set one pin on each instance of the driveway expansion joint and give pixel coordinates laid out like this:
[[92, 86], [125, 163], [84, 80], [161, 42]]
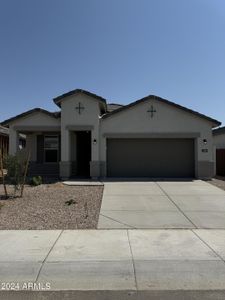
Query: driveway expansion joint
[[181, 211], [130, 226], [203, 241]]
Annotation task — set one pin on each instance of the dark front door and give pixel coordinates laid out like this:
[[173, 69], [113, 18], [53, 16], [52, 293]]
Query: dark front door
[[83, 153]]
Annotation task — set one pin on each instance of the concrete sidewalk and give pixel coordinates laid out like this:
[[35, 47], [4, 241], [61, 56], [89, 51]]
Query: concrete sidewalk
[[124, 263], [162, 204]]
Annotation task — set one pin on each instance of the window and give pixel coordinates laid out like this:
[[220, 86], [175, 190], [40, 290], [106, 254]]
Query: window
[[51, 148]]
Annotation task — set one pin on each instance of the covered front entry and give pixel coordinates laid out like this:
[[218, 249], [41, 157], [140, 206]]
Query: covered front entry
[[83, 156], [145, 157]]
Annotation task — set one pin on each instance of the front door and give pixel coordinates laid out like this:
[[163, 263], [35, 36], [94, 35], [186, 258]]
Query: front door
[[83, 153]]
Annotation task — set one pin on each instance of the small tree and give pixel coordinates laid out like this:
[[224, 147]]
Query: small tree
[[3, 173], [17, 167]]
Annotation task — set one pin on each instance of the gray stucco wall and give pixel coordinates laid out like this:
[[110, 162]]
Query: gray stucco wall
[[167, 120], [71, 121]]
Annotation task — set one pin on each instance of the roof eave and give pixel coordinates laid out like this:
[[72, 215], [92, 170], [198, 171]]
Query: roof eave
[[219, 131], [62, 97], [27, 113]]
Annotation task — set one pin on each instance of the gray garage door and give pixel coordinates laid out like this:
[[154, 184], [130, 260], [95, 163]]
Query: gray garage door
[[150, 158]]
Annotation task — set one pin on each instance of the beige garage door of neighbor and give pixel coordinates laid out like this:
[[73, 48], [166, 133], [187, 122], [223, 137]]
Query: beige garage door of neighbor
[[165, 158]]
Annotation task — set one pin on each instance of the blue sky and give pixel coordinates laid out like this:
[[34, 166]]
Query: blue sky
[[122, 50]]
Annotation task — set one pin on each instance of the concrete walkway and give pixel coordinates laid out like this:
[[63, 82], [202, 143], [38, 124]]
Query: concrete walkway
[[83, 182], [123, 263], [162, 204]]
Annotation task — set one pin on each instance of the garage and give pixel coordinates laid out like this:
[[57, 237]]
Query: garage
[[156, 158]]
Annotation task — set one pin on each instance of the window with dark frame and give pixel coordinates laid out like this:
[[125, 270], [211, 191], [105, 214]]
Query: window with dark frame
[[51, 148]]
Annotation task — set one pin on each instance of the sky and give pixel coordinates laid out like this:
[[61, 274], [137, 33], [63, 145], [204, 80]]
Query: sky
[[122, 50]]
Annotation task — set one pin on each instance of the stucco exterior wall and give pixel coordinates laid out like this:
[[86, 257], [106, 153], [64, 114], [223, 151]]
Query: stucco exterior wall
[[36, 119], [70, 117], [167, 120]]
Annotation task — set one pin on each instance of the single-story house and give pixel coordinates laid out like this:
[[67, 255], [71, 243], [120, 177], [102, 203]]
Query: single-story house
[[219, 142], [151, 137], [4, 140]]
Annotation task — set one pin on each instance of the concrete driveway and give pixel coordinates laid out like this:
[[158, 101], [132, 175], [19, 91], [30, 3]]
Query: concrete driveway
[[162, 204]]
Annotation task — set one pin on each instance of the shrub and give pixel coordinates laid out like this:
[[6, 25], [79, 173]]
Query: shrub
[[17, 166], [36, 180], [15, 170]]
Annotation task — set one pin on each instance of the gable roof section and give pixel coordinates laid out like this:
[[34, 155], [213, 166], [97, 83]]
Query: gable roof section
[[60, 98], [29, 112], [125, 107], [218, 131]]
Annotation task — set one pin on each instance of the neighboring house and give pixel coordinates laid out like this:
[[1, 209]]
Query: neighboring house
[[151, 137], [219, 142], [4, 140]]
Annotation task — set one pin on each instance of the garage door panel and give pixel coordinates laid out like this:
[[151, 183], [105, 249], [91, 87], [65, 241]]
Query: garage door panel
[[150, 157]]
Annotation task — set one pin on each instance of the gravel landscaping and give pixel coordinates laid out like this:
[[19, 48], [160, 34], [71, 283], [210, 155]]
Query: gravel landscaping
[[218, 181], [52, 206]]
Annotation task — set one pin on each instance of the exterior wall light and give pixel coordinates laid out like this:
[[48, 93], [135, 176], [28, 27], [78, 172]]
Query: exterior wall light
[[205, 141], [94, 141]]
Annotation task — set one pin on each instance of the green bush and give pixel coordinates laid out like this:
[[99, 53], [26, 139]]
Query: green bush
[[16, 167], [15, 170], [36, 180]]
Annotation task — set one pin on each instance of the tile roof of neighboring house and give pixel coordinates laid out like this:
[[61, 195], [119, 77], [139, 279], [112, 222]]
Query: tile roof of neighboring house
[[215, 122], [52, 114], [218, 131]]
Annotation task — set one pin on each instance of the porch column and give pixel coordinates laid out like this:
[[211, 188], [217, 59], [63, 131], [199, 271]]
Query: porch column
[[65, 163], [13, 141]]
